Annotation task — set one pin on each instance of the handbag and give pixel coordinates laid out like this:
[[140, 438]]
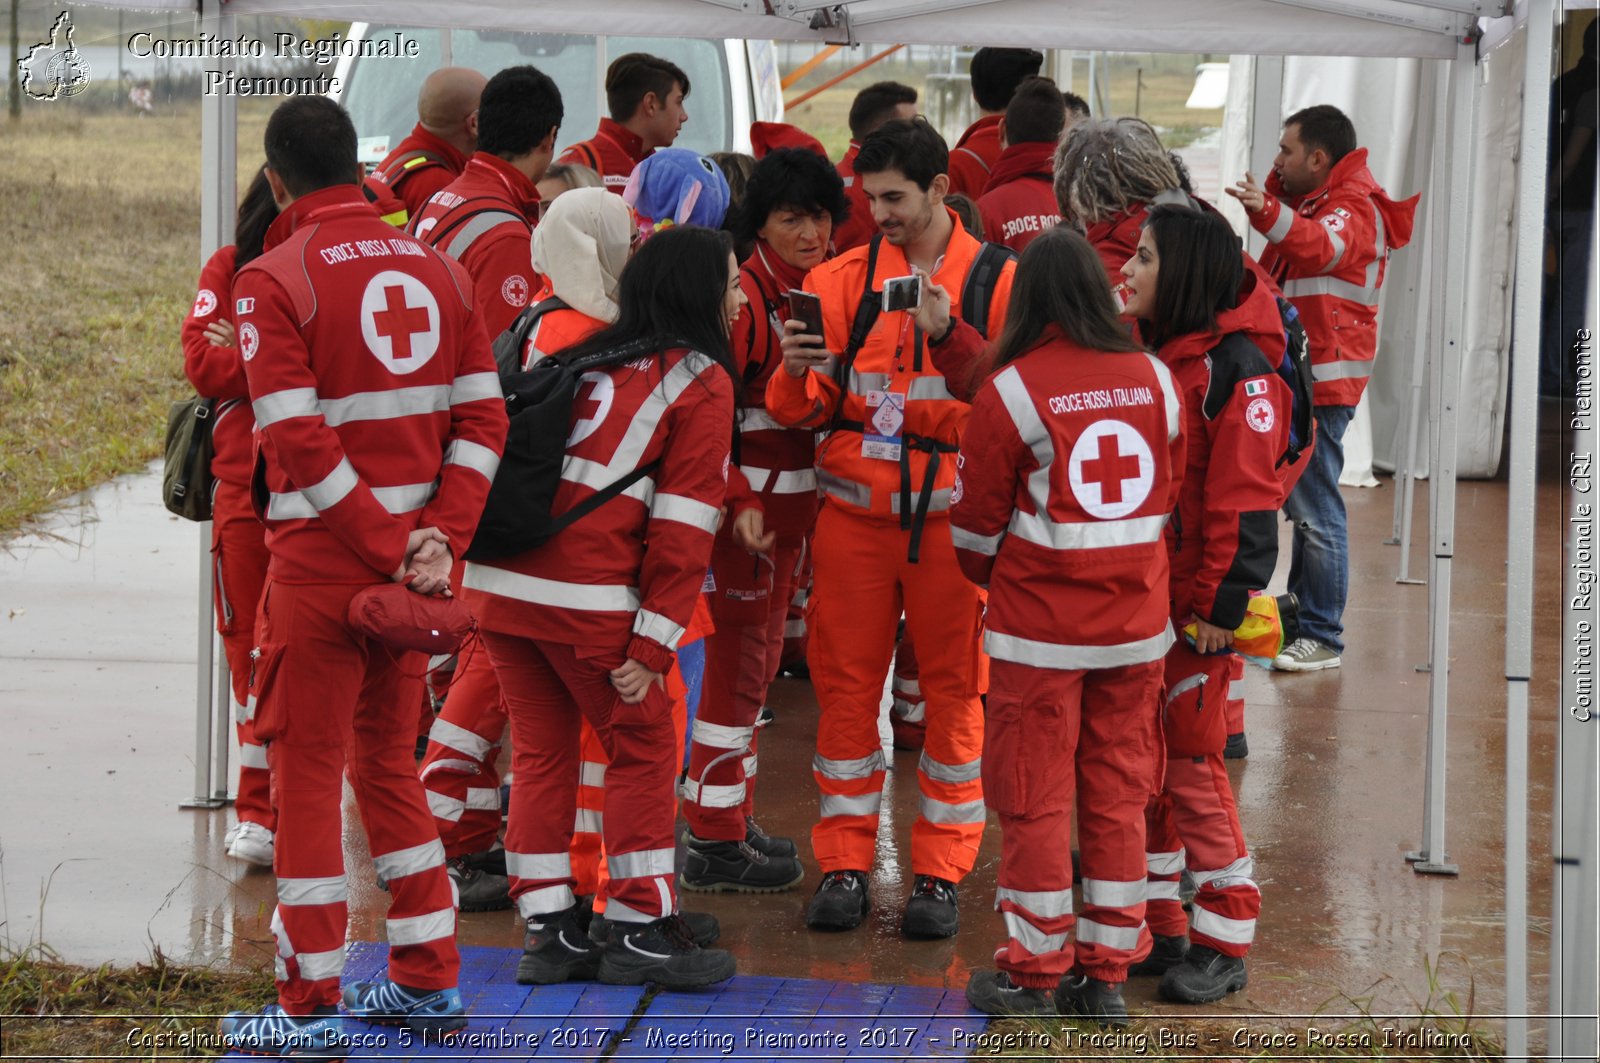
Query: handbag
[[406, 621], [186, 480]]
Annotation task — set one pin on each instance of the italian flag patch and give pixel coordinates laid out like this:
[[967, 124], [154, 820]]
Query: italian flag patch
[[1255, 387]]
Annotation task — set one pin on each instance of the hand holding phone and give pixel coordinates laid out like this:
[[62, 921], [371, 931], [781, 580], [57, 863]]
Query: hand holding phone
[[902, 293], [806, 308], [803, 344]]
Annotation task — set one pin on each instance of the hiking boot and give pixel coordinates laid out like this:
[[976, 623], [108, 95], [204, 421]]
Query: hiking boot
[[703, 926], [765, 717], [1306, 655], [429, 1011], [1237, 748], [555, 949], [993, 993], [1204, 976], [1092, 999], [270, 1032], [1168, 952], [736, 867], [663, 952], [252, 843], [478, 889], [767, 844], [932, 911], [840, 903]]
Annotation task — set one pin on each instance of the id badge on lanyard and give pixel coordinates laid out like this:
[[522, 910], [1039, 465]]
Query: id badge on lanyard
[[883, 425]]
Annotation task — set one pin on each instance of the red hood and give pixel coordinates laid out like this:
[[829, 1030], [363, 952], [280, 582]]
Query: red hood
[[767, 136], [312, 206], [1350, 174], [1256, 316], [1022, 160]]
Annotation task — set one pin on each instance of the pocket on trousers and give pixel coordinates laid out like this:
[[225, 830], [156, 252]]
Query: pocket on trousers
[[1020, 752], [267, 687]]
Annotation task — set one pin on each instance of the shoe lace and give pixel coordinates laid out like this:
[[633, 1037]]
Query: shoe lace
[[928, 886], [846, 879], [675, 928]]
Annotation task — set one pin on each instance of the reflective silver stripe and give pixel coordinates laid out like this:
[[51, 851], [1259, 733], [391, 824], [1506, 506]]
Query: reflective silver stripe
[[861, 383], [245, 712], [317, 966], [445, 807], [1068, 657], [1338, 248], [1030, 937], [788, 482], [386, 405], [1241, 872], [1031, 430], [453, 736], [794, 629], [591, 773], [449, 765], [721, 736], [1348, 369], [937, 503], [840, 805], [1280, 228], [410, 861], [591, 597], [1300, 287], [1109, 893], [1113, 937], [716, 796], [296, 892], [463, 238], [1161, 890], [686, 510], [253, 756], [483, 799], [630, 451], [857, 494], [588, 821], [1220, 927], [474, 456], [546, 901], [618, 912], [1039, 529], [859, 768], [648, 625], [1169, 394], [640, 864], [1046, 904], [332, 488], [406, 498], [750, 764], [909, 711], [929, 389], [474, 387], [1164, 863], [945, 812], [939, 771], [593, 475], [987, 545], [282, 405], [1183, 686], [908, 686], [538, 866], [756, 419], [419, 928]]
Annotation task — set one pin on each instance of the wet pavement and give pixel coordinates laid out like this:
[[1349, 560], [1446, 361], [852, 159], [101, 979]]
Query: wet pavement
[[97, 643]]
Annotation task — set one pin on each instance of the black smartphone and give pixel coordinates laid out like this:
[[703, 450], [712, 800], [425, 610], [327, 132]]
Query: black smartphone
[[806, 307]]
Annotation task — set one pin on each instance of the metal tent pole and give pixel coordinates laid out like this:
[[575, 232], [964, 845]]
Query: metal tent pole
[[1266, 118]]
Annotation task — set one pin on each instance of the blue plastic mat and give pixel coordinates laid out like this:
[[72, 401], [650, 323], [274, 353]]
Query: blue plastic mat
[[745, 1018]]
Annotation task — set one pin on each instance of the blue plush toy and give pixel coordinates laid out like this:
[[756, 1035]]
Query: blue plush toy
[[676, 186]]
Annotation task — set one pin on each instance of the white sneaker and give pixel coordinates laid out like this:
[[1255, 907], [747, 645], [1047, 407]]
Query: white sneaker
[[233, 832], [1306, 655], [252, 843]]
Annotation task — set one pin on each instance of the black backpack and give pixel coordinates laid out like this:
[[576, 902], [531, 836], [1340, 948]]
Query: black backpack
[[1295, 369], [508, 346], [518, 513]]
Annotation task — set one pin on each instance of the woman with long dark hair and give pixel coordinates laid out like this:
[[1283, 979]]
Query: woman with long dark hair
[[586, 625], [1216, 326], [238, 539], [1069, 465]]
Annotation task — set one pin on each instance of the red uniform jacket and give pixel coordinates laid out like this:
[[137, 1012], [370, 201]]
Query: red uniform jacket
[[377, 407], [858, 227], [1328, 252], [612, 152], [419, 166], [1019, 202], [629, 573], [484, 220], [218, 372], [776, 464], [974, 156], [1224, 536], [1070, 465]]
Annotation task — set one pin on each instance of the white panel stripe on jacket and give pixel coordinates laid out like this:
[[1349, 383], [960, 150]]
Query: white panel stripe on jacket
[[332, 488], [410, 861], [416, 929], [859, 768], [840, 805], [987, 545], [1280, 227], [654, 626], [403, 498], [1169, 393], [640, 864], [545, 901], [463, 238], [483, 798], [1031, 430], [1338, 249], [1164, 863], [630, 451], [588, 821], [1109, 893], [475, 456], [386, 405], [786, 482], [952, 773], [930, 388], [1241, 872], [686, 510], [1060, 655], [1220, 927], [474, 387], [1087, 535], [282, 405], [252, 755], [591, 597], [453, 736], [296, 892], [721, 736], [857, 494], [445, 807], [595, 476], [1031, 938], [1046, 904], [1351, 369], [1300, 287], [945, 812], [1091, 932], [756, 419], [538, 866], [937, 503], [591, 773]]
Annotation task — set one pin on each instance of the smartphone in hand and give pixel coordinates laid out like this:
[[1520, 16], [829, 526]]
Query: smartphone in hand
[[806, 307], [902, 293]]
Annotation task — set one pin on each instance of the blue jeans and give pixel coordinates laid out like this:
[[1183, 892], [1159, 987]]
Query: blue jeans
[[1319, 570]]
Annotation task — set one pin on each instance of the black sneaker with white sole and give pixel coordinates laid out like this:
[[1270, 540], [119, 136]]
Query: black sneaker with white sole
[[556, 949], [840, 903], [663, 952], [932, 911], [703, 925], [735, 867]]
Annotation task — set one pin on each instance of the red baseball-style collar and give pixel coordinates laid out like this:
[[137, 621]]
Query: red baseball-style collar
[[519, 190], [625, 138], [315, 206]]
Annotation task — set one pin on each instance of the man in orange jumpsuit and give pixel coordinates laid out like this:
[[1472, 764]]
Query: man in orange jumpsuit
[[882, 542]]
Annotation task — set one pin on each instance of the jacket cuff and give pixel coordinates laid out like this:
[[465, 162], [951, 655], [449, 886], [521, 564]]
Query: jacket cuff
[[650, 653]]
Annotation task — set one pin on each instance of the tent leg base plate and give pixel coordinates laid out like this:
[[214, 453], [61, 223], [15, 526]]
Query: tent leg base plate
[[1412, 582], [1424, 668], [205, 803], [1427, 867], [1393, 540]]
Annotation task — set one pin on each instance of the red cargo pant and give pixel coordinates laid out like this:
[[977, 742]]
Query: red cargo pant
[[239, 563]]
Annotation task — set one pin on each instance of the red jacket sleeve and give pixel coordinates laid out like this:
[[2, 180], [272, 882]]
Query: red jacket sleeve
[[1341, 234], [307, 450], [477, 439], [216, 372], [502, 277], [992, 462], [689, 490], [961, 358]]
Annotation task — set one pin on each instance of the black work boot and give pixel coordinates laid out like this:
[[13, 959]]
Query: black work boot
[[1204, 976], [1092, 999], [767, 844], [993, 993], [557, 950], [735, 867], [703, 926], [840, 903], [663, 952], [1166, 954], [932, 911]]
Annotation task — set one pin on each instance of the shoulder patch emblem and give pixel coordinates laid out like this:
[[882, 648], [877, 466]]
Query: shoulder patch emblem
[[1260, 416], [1333, 222], [515, 290], [205, 303], [1255, 387], [249, 341]]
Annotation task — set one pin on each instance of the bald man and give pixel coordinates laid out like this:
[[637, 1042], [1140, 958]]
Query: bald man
[[436, 152]]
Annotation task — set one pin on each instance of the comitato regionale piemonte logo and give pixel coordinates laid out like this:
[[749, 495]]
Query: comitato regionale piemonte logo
[[54, 68]]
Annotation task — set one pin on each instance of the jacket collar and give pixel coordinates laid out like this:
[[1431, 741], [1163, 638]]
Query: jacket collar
[[1022, 160], [624, 138], [442, 148], [334, 201], [519, 190]]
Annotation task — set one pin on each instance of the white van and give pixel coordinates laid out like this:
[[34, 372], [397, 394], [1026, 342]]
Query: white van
[[732, 83]]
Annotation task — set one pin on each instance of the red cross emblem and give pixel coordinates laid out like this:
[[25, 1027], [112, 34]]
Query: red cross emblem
[[400, 321], [1111, 469]]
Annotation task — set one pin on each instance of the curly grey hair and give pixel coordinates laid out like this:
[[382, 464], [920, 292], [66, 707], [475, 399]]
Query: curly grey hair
[[1104, 166]]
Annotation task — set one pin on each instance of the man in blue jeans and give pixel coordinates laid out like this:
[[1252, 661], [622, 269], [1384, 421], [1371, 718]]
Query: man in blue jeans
[[1329, 231]]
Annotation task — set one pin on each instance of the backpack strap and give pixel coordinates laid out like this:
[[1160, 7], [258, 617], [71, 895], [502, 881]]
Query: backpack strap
[[867, 312], [454, 239], [975, 155], [977, 292], [416, 159], [508, 346]]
